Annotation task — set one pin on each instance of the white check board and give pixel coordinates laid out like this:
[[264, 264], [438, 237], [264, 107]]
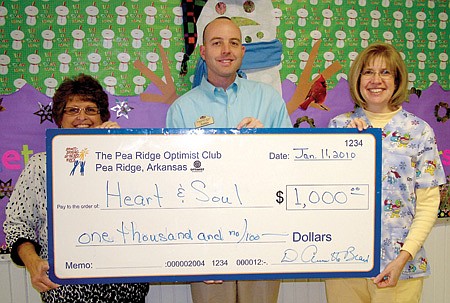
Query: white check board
[[191, 205]]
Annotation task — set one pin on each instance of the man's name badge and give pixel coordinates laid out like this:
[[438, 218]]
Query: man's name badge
[[204, 121]]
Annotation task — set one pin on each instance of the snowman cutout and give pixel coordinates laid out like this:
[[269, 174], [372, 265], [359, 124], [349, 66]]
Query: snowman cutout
[[51, 83], [124, 58], [31, 11], [422, 57], [292, 77], [94, 62], [137, 34], [110, 83], [388, 36], [108, 36], [92, 12], [432, 38], [178, 12], [421, 17], [302, 14], [152, 58], [34, 60], [122, 13], [4, 62], [165, 34], [62, 11], [433, 78], [327, 14], [277, 14], [316, 35], [329, 57], [352, 15], [179, 59], [290, 38], [139, 82], [375, 15], [64, 60], [17, 35], [150, 11], [443, 59], [410, 37], [340, 36], [365, 36], [352, 56], [3, 14], [48, 35], [19, 83], [78, 36], [411, 79], [443, 18], [303, 56], [398, 17]]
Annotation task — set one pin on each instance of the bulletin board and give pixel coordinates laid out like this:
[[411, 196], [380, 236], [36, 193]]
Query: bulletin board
[[136, 50]]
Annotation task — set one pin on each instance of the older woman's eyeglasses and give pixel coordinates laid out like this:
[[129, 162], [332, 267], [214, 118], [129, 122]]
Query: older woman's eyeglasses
[[73, 111], [384, 74]]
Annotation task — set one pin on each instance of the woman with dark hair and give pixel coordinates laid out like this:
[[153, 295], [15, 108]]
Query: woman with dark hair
[[411, 174], [79, 102]]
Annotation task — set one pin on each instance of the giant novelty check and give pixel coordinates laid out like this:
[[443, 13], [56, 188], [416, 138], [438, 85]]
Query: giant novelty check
[[140, 205]]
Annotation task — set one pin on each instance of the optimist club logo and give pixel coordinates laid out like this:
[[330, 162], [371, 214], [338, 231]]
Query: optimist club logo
[[78, 158], [197, 166]]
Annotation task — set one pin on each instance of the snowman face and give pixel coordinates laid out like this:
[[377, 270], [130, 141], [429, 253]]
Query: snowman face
[[48, 34], [152, 57], [302, 13], [107, 33], [92, 10], [409, 36], [64, 58], [256, 19], [50, 82], [94, 57], [398, 15], [34, 58], [4, 59], [62, 10], [443, 57], [421, 16], [364, 35], [432, 36], [31, 10], [123, 57], [121, 10], [17, 34], [110, 81], [78, 34], [352, 13], [421, 56], [150, 10], [137, 33], [139, 80], [3, 11]]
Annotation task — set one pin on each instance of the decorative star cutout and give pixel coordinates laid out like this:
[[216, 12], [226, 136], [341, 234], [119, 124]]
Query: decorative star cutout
[[6, 189], [45, 112], [122, 108]]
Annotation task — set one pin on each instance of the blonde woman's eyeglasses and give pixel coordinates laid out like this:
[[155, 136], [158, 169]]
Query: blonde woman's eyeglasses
[[384, 74]]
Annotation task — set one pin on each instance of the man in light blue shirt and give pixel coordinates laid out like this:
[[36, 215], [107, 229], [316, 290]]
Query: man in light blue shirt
[[223, 100]]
